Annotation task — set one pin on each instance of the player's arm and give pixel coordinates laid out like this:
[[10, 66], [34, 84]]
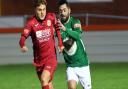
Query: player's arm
[[57, 30], [24, 36], [76, 32], [22, 44]]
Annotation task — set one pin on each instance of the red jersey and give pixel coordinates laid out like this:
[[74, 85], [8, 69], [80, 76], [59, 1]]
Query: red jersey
[[42, 34]]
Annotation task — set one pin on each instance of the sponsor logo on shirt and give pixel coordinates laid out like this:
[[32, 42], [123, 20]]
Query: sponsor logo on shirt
[[43, 35]]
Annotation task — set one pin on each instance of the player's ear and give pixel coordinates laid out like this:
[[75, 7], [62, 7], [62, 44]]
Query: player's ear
[[69, 10]]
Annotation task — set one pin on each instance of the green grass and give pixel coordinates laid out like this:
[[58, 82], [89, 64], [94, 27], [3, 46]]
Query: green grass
[[104, 76]]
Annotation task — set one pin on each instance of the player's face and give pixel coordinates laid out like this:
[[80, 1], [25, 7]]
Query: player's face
[[64, 12], [41, 11]]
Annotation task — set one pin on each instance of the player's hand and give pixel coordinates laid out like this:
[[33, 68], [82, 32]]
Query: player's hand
[[24, 49], [60, 25], [60, 49]]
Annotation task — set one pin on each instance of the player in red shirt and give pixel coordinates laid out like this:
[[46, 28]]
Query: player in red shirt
[[41, 28]]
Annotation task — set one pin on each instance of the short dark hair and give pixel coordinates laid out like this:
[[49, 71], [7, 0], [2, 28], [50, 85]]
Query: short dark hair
[[61, 2], [39, 2]]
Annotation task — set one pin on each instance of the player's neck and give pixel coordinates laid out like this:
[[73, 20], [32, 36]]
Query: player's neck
[[67, 20], [39, 20]]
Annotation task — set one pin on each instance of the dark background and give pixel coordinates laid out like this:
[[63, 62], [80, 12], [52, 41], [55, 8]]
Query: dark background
[[25, 7]]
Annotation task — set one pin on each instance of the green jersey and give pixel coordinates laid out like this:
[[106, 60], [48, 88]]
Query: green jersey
[[76, 56]]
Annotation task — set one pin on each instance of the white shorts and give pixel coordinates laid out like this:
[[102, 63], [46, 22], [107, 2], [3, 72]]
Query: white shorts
[[80, 74]]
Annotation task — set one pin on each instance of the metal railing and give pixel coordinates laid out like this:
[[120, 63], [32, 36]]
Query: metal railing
[[88, 15], [85, 16]]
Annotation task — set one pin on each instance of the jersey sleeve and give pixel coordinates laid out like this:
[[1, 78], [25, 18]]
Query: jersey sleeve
[[57, 30], [77, 30], [25, 34]]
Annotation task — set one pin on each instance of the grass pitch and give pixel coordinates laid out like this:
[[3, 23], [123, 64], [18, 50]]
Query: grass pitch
[[104, 76]]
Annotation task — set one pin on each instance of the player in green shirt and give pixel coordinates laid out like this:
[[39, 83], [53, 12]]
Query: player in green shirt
[[74, 52]]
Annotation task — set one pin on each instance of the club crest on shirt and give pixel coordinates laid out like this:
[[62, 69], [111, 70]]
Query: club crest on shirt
[[48, 22]]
